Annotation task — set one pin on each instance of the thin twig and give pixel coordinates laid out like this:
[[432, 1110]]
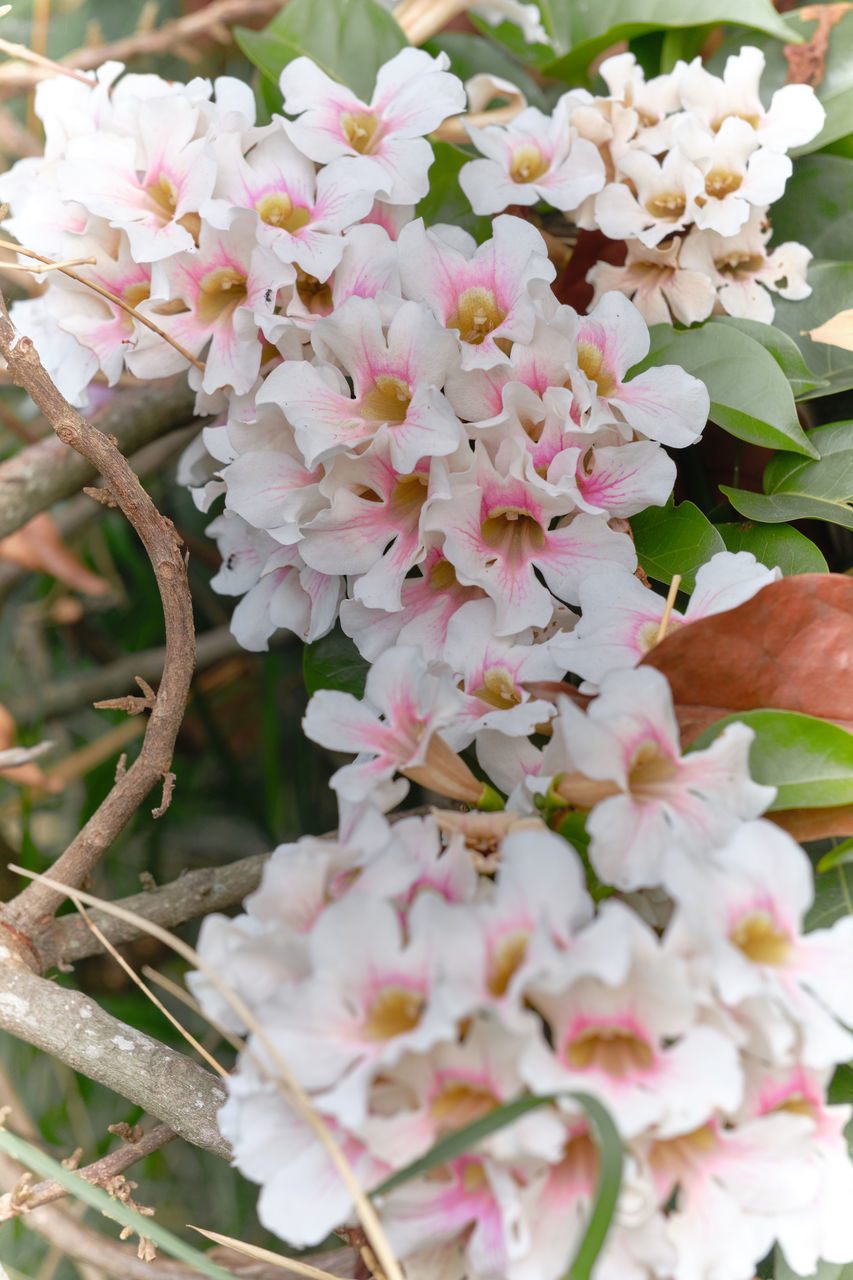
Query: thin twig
[[99, 1173], [164, 551], [18, 77], [47, 471]]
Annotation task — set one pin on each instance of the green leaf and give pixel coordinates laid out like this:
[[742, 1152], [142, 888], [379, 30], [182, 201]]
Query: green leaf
[[672, 540], [750, 395], [96, 1198], [833, 898], [775, 544], [445, 201], [837, 857], [348, 39], [471, 55], [595, 25], [817, 207], [784, 351], [796, 489], [610, 1153], [836, 86], [832, 288], [809, 761], [333, 662], [825, 1270]]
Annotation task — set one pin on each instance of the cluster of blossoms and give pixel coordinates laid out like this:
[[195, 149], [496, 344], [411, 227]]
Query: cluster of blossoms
[[413, 435], [416, 975], [682, 168]]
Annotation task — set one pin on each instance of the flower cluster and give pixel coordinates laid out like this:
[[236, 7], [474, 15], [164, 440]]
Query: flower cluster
[[682, 168], [416, 975]]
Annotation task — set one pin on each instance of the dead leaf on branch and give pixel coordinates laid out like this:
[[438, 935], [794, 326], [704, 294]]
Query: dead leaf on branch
[[807, 62], [789, 647], [38, 545], [26, 773]]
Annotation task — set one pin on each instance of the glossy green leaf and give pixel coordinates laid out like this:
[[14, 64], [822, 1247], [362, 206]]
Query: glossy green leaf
[[817, 207], [610, 1153], [595, 25], [808, 760], [832, 288], [333, 662], [797, 489], [44, 1165], [353, 40], [674, 539], [833, 898], [445, 201], [775, 544], [840, 856], [750, 395], [784, 351], [825, 1270], [472, 55]]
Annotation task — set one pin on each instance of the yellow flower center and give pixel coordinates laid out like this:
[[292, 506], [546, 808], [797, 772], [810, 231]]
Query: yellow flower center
[[760, 939], [738, 265], [477, 314], [222, 290], [387, 401], [315, 297], [667, 206], [591, 362], [528, 163], [650, 771], [278, 210], [720, 183], [513, 534], [360, 130], [163, 195], [458, 1103], [506, 958], [392, 1012], [616, 1051]]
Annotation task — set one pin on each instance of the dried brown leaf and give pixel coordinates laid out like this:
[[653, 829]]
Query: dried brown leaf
[[38, 545]]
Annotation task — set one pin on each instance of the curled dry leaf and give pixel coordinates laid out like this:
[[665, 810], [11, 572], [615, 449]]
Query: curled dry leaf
[[807, 62], [835, 332], [815, 824], [38, 545], [789, 647], [17, 763]]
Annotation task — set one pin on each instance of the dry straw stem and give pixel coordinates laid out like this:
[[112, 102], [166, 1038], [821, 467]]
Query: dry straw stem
[[281, 1077], [275, 1260], [180, 36], [668, 607], [163, 546], [99, 1172], [47, 472]]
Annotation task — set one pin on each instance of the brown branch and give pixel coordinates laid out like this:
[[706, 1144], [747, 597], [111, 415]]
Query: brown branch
[[17, 77], [110, 682], [76, 1030], [100, 1173], [163, 546], [48, 471], [193, 894]]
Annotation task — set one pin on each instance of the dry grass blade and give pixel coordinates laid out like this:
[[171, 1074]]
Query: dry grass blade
[[289, 1087], [667, 613], [158, 1004], [47, 65], [266, 1255], [178, 992]]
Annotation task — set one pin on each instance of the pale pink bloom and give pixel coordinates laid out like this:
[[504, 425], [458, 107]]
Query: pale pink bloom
[[70, 365], [739, 173], [367, 269], [415, 861], [259, 959], [288, 595], [663, 403], [150, 185], [378, 989], [391, 728], [244, 552], [621, 618], [665, 199], [822, 1229], [430, 599], [738, 266], [497, 533], [726, 1190], [390, 217], [652, 100], [485, 293], [301, 213], [740, 914], [453, 1085], [397, 371], [611, 479], [225, 284], [372, 528], [302, 1194], [474, 1201], [273, 489], [534, 157], [624, 1025], [660, 286], [414, 93], [493, 679], [794, 116], [69, 109], [655, 808], [524, 16], [39, 216]]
